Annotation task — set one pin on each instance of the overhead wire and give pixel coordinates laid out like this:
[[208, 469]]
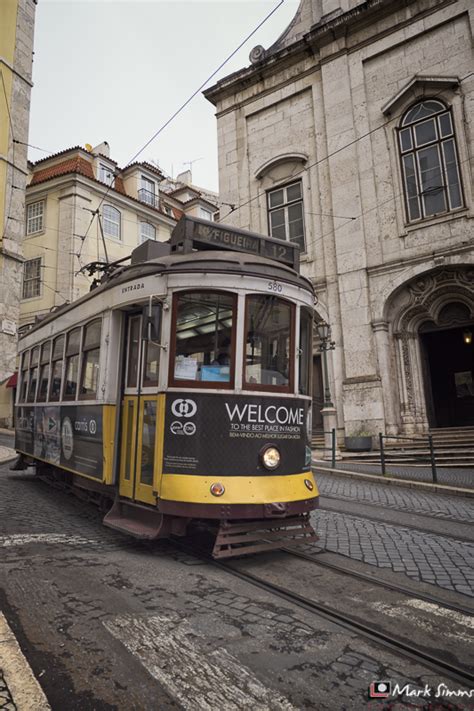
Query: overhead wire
[[183, 106]]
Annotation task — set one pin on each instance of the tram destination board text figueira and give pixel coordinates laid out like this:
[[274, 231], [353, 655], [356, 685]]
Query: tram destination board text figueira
[[193, 233]]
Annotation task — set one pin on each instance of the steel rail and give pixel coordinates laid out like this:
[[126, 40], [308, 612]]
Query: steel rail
[[461, 675], [380, 582]]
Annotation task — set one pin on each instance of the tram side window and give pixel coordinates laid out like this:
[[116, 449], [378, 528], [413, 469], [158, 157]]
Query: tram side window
[[72, 364], [57, 368], [44, 372], [268, 343], [204, 342], [90, 360], [25, 362], [33, 374], [305, 351]]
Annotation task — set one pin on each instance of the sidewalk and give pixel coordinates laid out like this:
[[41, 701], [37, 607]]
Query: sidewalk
[[7, 455], [452, 480], [19, 690]]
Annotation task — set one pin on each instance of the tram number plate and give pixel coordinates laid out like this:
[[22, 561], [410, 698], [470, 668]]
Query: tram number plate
[[275, 286]]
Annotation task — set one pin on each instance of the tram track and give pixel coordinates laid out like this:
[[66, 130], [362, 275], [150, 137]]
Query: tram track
[[370, 631], [373, 580]]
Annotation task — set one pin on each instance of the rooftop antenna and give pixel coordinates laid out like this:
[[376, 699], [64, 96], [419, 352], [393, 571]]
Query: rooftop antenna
[[190, 163]]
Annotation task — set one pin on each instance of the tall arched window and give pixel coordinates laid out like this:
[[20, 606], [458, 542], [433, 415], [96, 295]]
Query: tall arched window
[[429, 159], [111, 218]]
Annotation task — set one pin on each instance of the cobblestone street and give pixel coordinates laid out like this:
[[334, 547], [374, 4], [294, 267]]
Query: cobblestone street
[[441, 560], [99, 615]]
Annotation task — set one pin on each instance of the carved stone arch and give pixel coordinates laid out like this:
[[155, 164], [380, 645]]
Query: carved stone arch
[[443, 299]]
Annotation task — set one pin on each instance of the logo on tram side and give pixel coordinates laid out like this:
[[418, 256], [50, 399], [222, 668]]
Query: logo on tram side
[[177, 428], [183, 408], [67, 438]]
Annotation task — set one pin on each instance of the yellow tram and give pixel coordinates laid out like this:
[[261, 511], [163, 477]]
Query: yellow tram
[[179, 389]]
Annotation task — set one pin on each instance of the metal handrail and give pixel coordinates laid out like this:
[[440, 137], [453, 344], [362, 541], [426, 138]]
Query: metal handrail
[[429, 437]]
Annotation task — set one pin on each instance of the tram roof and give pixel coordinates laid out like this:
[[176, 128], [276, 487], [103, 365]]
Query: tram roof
[[207, 261]]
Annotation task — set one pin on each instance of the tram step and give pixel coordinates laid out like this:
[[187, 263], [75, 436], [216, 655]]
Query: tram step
[[135, 520], [246, 537]]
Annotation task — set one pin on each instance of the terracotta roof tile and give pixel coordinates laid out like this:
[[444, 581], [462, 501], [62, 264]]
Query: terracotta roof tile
[[77, 164]]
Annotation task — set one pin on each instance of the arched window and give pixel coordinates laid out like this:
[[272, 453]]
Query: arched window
[[429, 159], [147, 231], [111, 217]]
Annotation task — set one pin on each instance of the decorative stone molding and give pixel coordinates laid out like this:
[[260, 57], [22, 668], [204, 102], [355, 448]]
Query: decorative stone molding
[[418, 87], [278, 160]]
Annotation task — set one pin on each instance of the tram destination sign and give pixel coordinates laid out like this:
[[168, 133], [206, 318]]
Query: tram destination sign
[[193, 233]]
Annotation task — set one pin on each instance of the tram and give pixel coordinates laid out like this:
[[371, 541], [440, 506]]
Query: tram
[[179, 390]]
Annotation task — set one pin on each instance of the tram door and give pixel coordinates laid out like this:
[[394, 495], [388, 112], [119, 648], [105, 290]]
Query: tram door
[[139, 415]]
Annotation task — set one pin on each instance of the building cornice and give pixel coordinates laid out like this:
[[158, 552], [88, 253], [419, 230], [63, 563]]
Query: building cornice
[[316, 38]]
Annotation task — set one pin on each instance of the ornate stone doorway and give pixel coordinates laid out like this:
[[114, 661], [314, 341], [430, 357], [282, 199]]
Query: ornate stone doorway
[[430, 319]]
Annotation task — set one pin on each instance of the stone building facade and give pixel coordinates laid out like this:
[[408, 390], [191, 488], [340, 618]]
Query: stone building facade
[[17, 19], [353, 135]]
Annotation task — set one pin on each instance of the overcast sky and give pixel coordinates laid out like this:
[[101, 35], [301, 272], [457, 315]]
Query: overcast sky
[[116, 70]]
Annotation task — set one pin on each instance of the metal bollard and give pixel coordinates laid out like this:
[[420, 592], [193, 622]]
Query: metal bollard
[[382, 454], [433, 460], [333, 448]]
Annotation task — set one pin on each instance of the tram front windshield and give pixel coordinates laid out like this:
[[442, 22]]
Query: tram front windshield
[[204, 336]]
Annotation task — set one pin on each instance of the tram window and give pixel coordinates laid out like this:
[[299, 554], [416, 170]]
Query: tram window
[[57, 368], [90, 360], [44, 372], [148, 442], [204, 343], [305, 351], [33, 374], [150, 372], [133, 350], [72, 364], [25, 361], [268, 343]]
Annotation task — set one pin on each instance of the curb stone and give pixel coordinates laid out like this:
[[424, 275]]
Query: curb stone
[[393, 481], [22, 691]]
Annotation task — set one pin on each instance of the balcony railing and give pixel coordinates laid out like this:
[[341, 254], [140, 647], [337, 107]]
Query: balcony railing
[[148, 197]]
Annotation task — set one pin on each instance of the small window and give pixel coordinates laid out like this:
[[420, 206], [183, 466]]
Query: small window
[[72, 364], [152, 361], [25, 362], [285, 214], [305, 351], [112, 221], [133, 350], [90, 360], [34, 217], [147, 191], [44, 372], [205, 214], [33, 380], [106, 174], [147, 231], [429, 161], [204, 341], [268, 344], [57, 368], [32, 278]]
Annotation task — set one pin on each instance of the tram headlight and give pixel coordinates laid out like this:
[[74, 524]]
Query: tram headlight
[[270, 457]]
